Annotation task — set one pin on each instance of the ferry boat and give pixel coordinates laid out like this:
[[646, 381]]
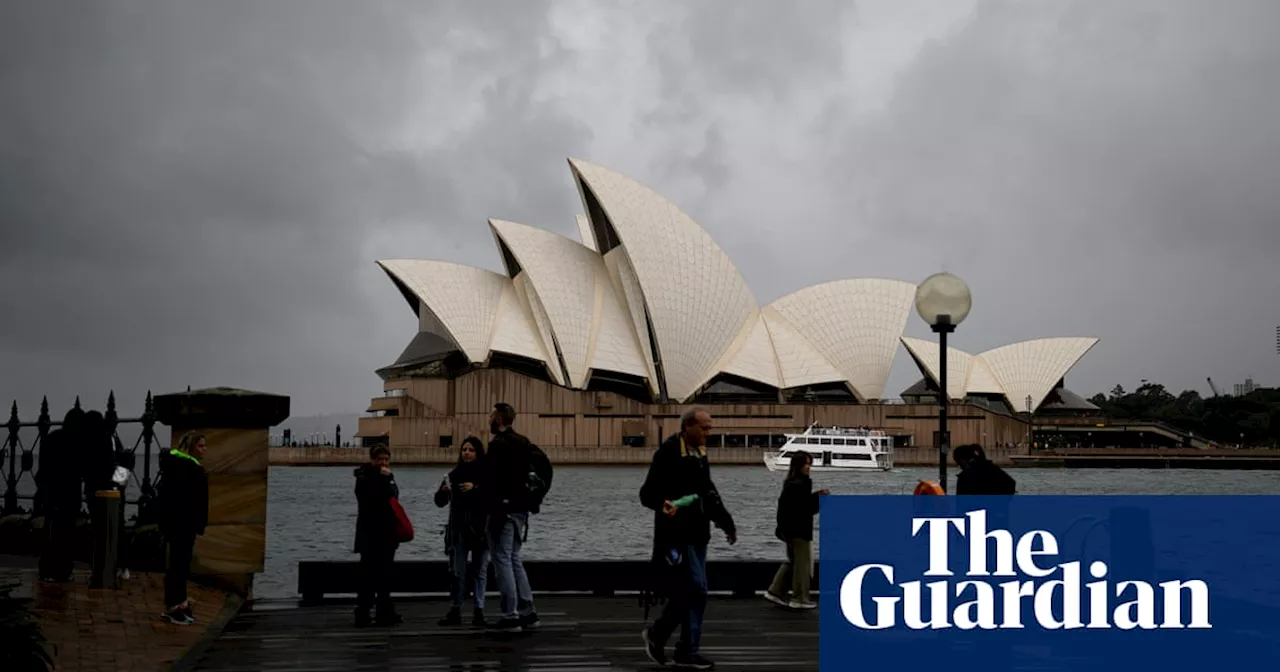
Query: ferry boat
[[836, 449]]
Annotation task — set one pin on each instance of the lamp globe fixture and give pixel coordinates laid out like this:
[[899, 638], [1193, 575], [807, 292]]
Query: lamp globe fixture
[[943, 300]]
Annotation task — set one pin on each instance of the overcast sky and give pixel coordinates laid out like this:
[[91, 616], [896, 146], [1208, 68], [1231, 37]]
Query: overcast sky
[[195, 193]]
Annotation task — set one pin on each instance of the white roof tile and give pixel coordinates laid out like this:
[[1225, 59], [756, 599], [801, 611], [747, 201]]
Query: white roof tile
[[697, 299], [463, 299], [855, 324]]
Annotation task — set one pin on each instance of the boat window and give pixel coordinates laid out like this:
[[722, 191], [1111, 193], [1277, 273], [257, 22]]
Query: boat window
[[786, 454], [811, 441], [851, 456], [825, 442]]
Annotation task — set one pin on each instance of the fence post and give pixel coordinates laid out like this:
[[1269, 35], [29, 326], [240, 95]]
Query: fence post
[[11, 451], [106, 540], [42, 436]]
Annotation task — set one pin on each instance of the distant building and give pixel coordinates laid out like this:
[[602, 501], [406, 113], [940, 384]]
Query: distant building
[[604, 342], [1246, 387]]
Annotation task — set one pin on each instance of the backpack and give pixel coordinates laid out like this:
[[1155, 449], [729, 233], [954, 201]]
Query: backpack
[[539, 480]]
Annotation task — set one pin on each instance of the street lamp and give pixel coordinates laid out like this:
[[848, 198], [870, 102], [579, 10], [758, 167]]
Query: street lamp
[[943, 301], [1031, 429]]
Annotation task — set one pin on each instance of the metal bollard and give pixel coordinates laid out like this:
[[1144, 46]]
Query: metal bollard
[[106, 539]]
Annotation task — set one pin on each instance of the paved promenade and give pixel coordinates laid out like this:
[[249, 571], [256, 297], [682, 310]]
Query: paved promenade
[[110, 630], [577, 633]]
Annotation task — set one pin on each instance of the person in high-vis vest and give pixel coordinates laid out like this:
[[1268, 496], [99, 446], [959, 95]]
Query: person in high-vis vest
[[182, 498]]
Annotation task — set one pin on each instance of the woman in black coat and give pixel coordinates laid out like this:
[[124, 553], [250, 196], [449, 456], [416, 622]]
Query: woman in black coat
[[463, 490], [796, 508], [376, 539]]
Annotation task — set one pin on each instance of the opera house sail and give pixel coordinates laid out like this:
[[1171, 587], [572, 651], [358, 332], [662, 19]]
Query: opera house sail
[[600, 339]]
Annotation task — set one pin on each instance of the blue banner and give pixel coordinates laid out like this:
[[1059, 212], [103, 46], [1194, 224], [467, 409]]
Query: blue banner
[[1094, 583]]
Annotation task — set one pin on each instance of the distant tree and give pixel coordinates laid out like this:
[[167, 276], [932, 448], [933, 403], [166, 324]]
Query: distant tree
[[1253, 419]]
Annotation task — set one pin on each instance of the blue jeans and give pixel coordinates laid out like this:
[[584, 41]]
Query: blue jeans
[[458, 574], [505, 539], [687, 602]]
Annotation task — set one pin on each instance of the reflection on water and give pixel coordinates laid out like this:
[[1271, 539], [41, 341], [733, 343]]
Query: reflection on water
[[595, 512]]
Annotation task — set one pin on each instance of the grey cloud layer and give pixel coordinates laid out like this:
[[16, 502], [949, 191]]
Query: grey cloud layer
[[193, 193]]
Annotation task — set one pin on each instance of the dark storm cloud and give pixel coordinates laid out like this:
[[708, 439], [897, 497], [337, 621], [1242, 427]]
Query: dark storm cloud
[[1101, 169], [195, 192], [1094, 168], [189, 190]]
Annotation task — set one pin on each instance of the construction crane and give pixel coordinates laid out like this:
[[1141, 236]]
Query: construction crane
[[1213, 387]]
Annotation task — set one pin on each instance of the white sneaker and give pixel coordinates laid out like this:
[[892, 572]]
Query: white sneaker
[[797, 604], [775, 599]]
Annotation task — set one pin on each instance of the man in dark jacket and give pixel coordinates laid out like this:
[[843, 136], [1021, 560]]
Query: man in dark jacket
[[685, 502], [980, 476], [508, 461], [376, 539], [182, 498]]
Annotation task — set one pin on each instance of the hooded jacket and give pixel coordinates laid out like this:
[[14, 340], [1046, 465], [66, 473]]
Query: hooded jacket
[[182, 495], [375, 520]]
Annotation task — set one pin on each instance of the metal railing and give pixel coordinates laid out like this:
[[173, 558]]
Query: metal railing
[[22, 462]]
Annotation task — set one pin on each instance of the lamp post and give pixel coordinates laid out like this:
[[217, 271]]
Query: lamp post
[[1031, 428], [943, 302]]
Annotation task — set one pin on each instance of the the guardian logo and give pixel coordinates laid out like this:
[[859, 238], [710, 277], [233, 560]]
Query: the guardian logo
[[1032, 555]]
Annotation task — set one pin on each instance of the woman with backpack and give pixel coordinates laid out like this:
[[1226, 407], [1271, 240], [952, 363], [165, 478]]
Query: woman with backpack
[[797, 506], [463, 491]]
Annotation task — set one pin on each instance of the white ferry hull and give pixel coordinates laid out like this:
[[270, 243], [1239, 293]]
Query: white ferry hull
[[836, 449], [774, 463]]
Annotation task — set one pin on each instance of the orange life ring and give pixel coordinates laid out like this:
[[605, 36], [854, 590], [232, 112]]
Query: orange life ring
[[928, 488]]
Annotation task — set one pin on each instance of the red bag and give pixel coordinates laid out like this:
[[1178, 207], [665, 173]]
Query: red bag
[[403, 528]]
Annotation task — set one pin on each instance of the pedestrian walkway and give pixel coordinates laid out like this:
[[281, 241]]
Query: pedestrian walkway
[[98, 630], [577, 633]]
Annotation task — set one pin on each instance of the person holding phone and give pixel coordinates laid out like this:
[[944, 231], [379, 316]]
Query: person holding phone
[[462, 490]]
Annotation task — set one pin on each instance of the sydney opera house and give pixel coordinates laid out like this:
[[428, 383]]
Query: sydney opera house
[[602, 342]]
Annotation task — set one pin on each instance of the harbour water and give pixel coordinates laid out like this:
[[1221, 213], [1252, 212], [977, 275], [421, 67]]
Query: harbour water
[[594, 513]]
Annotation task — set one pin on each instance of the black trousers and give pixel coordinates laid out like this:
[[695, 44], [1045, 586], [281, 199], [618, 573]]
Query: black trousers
[[376, 565], [179, 568], [58, 558]]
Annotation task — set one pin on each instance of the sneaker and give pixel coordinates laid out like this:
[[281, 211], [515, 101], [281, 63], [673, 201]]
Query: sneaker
[[477, 619], [454, 617], [692, 661], [653, 649], [530, 622], [189, 614], [177, 617], [776, 599], [802, 604], [507, 625]]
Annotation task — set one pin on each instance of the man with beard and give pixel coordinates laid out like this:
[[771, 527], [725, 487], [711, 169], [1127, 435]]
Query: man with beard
[[509, 462]]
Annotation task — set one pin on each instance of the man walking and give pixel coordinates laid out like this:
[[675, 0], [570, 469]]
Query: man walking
[[685, 502], [509, 461]]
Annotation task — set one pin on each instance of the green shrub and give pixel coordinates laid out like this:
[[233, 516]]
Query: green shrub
[[23, 647]]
